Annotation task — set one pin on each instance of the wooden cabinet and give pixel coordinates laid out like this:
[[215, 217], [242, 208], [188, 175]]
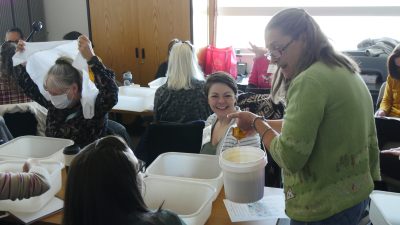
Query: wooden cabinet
[[122, 28]]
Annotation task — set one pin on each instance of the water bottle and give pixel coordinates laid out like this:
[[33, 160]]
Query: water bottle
[[127, 77]]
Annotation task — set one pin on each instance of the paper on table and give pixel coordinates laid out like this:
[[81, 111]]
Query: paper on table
[[269, 207], [53, 206]]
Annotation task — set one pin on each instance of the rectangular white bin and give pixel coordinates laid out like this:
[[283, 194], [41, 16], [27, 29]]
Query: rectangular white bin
[[157, 82], [188, 166], [192, 201], [384, 208], [135, 99], [42, 148], [32, 204]]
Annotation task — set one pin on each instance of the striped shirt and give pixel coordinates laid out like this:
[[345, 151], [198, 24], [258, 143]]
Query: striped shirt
[[228, 140], [24, 185]]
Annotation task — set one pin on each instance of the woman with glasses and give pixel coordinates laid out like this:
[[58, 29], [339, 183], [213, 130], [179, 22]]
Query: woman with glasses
[[63, 83], [327, 147], [105, 185], [182, 99]]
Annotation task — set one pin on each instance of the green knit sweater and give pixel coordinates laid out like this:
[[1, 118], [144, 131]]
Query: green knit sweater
[[328, 147]]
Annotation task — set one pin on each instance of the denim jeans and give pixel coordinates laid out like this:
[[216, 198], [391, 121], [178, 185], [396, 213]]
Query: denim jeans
[[350, 216]]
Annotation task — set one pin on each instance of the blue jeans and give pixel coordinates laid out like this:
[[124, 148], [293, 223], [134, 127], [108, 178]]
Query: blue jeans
[[350, 216]]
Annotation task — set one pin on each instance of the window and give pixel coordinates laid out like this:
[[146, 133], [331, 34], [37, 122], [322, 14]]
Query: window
[[345, 22]]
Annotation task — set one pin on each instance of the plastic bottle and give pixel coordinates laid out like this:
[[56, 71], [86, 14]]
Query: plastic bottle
[[127, 78]]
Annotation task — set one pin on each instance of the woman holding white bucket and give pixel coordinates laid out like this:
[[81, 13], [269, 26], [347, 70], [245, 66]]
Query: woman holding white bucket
[[221, 91], [327, 147]]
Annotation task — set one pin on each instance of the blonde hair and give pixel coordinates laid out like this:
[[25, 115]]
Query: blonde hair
[[182, 67], [62, 75]]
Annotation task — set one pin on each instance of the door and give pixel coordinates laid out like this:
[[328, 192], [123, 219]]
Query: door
[[119, 27], [160, 22]]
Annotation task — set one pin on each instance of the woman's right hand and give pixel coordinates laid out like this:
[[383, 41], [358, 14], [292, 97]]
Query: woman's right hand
[[380, 113], [244, 121]]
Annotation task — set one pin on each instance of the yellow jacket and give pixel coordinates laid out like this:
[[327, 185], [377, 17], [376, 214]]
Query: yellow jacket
[[391, 97]]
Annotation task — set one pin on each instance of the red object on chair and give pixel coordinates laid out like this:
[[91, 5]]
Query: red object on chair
[[220, 59]]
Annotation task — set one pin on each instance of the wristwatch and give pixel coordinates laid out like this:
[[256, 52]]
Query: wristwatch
[[92, 61]]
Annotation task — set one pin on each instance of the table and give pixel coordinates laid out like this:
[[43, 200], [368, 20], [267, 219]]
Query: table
[[219, 215]]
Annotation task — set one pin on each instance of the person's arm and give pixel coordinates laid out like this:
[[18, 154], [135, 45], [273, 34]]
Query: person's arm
[[276, 125], [104, 78], [374, 162], [26, 83], [253, 78], [24, 185], [387, 100]]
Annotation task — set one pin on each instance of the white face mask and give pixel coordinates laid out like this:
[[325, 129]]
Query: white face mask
[[60, 101]]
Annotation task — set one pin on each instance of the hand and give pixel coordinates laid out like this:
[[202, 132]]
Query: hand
[[85, 47], [26, 167], [380, 113], [20, 46], [257, 50], [28, 164], [243, 121], [392, 151]]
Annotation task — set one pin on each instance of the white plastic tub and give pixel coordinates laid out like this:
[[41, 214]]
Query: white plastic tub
[[384, 208], [136, 99], [192, 201], [32, 204], [188, 166], [157, 82], [42, 148]]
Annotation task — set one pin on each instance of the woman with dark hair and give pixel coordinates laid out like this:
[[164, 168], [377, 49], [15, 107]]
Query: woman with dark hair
[[221, 91], [327, 147], [63, 83], [390, 105], [163, 67], [104, 187]]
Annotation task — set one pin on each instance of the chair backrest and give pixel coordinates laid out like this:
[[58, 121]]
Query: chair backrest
[[169, 137], [21, 123]]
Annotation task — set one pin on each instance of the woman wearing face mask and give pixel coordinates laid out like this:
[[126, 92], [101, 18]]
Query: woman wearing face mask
[[63, 82], [327, 147], [221, 91], [104, 187]]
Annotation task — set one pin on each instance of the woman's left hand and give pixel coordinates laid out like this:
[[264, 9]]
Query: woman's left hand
[[85, 47]]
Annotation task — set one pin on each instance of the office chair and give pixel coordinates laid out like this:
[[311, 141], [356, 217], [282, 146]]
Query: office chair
[[169, 137]]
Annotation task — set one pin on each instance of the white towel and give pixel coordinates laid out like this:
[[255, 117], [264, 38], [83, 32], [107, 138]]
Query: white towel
[[40, 56]]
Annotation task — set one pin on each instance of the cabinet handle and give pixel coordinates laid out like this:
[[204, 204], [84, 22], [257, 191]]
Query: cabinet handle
[[143, 55], [137, 55]]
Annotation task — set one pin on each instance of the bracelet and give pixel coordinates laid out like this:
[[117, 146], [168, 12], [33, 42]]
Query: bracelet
[[265, 131], [253, 124], [92, 61]]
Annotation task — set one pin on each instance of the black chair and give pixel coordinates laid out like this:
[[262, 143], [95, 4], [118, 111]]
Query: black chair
[[21, 123], [169, 137]]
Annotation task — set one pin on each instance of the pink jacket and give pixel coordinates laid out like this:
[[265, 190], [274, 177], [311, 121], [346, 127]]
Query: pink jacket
[[259, 76]]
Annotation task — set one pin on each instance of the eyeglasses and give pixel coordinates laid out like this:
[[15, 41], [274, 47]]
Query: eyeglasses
[[277, 53], [141, 166]]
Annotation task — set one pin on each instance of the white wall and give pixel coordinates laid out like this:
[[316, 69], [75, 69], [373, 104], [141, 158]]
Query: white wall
[[63, 16]]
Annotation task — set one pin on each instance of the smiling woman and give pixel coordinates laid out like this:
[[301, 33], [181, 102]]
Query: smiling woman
[[221, 91]]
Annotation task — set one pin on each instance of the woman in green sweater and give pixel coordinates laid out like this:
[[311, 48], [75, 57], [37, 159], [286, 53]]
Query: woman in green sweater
[[327, 147]]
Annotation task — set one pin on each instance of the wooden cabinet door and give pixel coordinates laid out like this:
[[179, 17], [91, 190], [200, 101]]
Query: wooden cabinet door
[[120, 26], [115, 33], [159, 22]]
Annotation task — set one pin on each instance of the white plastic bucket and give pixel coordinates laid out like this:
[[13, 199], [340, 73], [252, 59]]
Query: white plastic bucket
[[244, 173]]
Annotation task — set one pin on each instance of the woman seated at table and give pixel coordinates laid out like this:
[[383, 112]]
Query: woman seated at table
[[221, 90], [63, 82], [104, 187], [182, 98]]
